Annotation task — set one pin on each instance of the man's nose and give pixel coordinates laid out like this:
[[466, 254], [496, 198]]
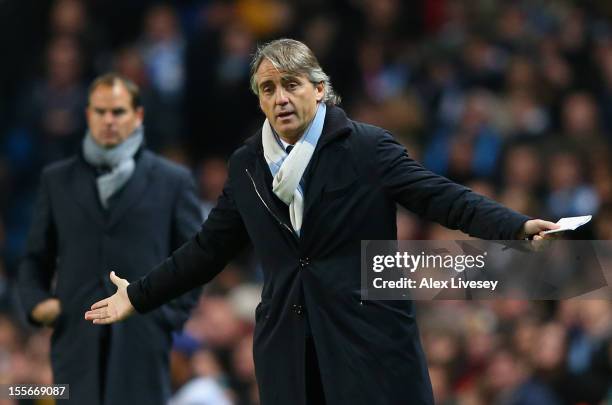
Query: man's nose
[[281, 96], [109, 118]]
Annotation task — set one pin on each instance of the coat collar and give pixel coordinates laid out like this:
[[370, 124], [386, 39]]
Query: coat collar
[[336, 125], [85, 192]]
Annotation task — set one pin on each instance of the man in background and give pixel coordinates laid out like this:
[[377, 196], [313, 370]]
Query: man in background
[[115, 205]]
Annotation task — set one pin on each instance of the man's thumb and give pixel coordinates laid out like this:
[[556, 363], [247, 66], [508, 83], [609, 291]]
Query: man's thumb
[[115, 279], [547, 225]]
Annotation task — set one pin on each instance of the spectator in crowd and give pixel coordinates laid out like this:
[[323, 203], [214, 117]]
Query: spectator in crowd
[[162, 49], [52, 111], [211, 177], [193, 386], [569, 193]]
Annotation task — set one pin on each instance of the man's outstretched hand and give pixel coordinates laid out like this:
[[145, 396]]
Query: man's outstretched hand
[[535, 228], [115, 308]]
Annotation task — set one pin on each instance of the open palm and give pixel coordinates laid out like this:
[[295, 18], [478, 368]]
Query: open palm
[[115, 308]]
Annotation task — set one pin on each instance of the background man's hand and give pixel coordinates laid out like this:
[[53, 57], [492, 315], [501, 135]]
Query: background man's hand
[[115, 308], [47, 311], [535, 227]]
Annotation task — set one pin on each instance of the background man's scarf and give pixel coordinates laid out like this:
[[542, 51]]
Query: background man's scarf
[[288, 169], [120, 159]]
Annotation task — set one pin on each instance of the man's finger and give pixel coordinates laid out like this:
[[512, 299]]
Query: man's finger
[[549, 236], [98, 314], [103, 321], [100, 304]]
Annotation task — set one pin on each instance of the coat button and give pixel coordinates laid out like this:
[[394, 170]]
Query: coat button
[[297, 309], [304, 261]]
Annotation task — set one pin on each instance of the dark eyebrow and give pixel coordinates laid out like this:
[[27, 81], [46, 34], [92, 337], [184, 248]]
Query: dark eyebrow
[[264, 83], [290, 77]]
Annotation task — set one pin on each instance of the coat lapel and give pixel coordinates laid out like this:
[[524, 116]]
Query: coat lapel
[[85, 192], [263, 181], [336, 126], [134, 189]]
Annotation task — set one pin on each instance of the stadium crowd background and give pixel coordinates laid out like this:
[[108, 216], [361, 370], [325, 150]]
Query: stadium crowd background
[[512, 98]]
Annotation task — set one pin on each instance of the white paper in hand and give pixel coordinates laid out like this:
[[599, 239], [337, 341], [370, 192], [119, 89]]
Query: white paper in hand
[[570, 224]]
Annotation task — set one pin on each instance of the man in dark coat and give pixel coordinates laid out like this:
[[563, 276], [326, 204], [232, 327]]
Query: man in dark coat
[[113, 206], [305, 191]]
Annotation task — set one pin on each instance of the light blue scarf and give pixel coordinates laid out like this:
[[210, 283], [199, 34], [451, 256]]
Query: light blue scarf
[[288, 169]]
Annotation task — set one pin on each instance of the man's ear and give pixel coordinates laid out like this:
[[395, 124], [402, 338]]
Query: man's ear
[[320, 90], [140, 115]]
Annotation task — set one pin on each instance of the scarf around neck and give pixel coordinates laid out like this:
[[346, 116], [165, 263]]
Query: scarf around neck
[[120, 159], [288, 168]]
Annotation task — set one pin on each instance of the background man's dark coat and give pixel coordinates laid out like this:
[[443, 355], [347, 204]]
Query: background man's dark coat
[[75, 239], [368, 351]]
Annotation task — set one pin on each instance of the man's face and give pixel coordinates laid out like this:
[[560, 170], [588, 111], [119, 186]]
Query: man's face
[[289, 101], [110, 115]]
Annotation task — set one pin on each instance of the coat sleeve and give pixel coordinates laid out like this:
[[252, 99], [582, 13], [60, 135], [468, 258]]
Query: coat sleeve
[[37, 266], [196, 262], [438, 199]]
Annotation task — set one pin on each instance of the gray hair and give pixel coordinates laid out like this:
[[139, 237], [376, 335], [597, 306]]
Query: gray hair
[[289, 55]]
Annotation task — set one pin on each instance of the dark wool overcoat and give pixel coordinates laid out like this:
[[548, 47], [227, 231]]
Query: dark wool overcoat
[[73, 245], [368, 351]]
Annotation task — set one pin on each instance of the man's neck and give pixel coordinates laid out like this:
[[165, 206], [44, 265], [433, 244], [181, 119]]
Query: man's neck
[[290, 139]]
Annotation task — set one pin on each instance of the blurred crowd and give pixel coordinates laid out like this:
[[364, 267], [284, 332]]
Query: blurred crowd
[[512, 98]]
